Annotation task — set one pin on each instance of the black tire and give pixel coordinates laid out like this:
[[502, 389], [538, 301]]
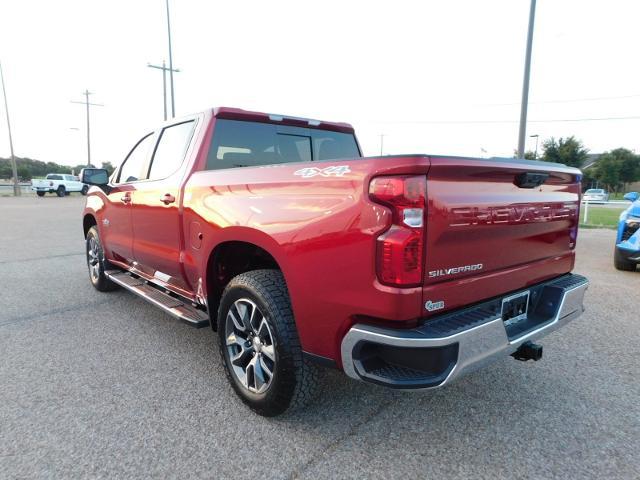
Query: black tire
[[95, 253], [61, 191], [295, 380], [84, 190], [40, 194], [622, 263]]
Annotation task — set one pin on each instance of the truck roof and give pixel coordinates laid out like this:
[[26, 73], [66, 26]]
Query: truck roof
[[240, 114]]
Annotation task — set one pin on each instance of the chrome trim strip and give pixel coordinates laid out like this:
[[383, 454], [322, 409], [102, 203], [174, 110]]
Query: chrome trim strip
[[478, 346]]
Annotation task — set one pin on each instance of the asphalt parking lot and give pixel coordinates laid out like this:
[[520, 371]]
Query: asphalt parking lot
[[104, 385]]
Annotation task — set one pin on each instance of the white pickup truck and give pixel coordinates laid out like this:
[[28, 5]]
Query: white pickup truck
[[60, 184]]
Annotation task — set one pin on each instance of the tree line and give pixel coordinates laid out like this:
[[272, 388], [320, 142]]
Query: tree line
[[612, 170], [29, 168]]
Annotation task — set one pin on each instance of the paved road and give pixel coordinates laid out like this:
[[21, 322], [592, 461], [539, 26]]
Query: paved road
[[103, 385]]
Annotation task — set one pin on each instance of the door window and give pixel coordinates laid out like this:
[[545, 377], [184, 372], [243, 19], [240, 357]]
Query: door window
[[171, 150], [135, 165]]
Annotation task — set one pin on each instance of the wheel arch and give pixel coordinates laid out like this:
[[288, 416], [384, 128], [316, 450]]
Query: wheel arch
[[228, 259], [88, 221]]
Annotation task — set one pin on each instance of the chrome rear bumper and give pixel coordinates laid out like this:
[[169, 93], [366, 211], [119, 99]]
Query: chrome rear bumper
[[454, 344]]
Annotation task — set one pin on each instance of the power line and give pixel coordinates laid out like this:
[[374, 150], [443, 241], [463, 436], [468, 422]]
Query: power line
[[555, 120], [571, 100]]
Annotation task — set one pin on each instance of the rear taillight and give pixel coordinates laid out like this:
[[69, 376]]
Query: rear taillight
[[399, 249]]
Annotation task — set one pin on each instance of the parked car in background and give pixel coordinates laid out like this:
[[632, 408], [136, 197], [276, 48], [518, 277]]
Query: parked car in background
[[60, 184], [627, 251], [596, 195]]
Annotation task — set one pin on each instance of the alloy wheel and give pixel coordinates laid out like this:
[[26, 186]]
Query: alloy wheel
[[250, 346], [93, 258]]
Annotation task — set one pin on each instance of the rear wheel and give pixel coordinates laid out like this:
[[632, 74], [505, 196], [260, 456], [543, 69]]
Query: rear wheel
[[97, 263], [40, 194], [622, 263], [61, 191], [259, 344], [84, 190]]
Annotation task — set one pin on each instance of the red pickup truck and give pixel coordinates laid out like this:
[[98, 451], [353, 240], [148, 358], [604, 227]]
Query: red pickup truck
[[405, 271]]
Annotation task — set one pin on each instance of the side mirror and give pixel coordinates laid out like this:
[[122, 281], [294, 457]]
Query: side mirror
[[632, 196], [94, 176]]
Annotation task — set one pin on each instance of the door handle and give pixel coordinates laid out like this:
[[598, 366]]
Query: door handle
[[167, 198], [126, 198]]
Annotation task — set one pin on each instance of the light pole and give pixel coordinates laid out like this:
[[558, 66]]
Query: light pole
[[535, 155], [525, 82], [173, 102], [86, 102], [14, 167], [382, 135], [164, 69]]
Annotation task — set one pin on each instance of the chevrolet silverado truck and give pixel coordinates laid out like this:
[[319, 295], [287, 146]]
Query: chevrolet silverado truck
[[404, 271], [58, 183]]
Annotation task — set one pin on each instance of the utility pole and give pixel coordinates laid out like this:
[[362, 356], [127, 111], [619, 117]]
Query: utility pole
[[382, 135], [164, 69], [14, 167], [171, 70], [86, 102], [525, 82]]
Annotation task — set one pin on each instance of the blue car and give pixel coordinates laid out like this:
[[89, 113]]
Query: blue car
[[627, 253]]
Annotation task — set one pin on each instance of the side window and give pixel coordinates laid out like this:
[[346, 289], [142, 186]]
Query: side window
[[54, 177], [135, 165], [171, 150]]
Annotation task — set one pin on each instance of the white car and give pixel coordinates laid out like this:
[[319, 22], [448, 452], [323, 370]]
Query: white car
[[595, 195], [60, 184]]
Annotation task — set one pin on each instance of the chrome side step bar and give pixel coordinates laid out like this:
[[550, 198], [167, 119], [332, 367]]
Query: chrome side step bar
[[175, 307]]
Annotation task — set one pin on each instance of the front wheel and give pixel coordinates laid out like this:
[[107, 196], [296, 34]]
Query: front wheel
[[97, 263], [84, 190], [622, 263], [40, 194], [259, 344]]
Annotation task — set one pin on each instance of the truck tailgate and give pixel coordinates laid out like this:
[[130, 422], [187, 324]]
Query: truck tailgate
[[493, 228]]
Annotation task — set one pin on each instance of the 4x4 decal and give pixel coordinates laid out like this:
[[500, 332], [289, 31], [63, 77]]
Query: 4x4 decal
[[333, 171]]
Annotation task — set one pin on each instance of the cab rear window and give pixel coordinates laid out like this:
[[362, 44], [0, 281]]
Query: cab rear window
[[238, 143]]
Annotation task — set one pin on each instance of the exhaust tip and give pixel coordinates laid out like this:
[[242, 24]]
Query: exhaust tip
[[528, 351]]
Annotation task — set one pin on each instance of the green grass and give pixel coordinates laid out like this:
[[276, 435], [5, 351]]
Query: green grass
[[600, 217]]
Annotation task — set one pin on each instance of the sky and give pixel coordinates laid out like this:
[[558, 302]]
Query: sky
[[431, 76]]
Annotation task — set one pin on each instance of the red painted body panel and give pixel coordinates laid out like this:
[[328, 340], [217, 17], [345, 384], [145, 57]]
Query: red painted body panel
[[477, 215], [322, 231]]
